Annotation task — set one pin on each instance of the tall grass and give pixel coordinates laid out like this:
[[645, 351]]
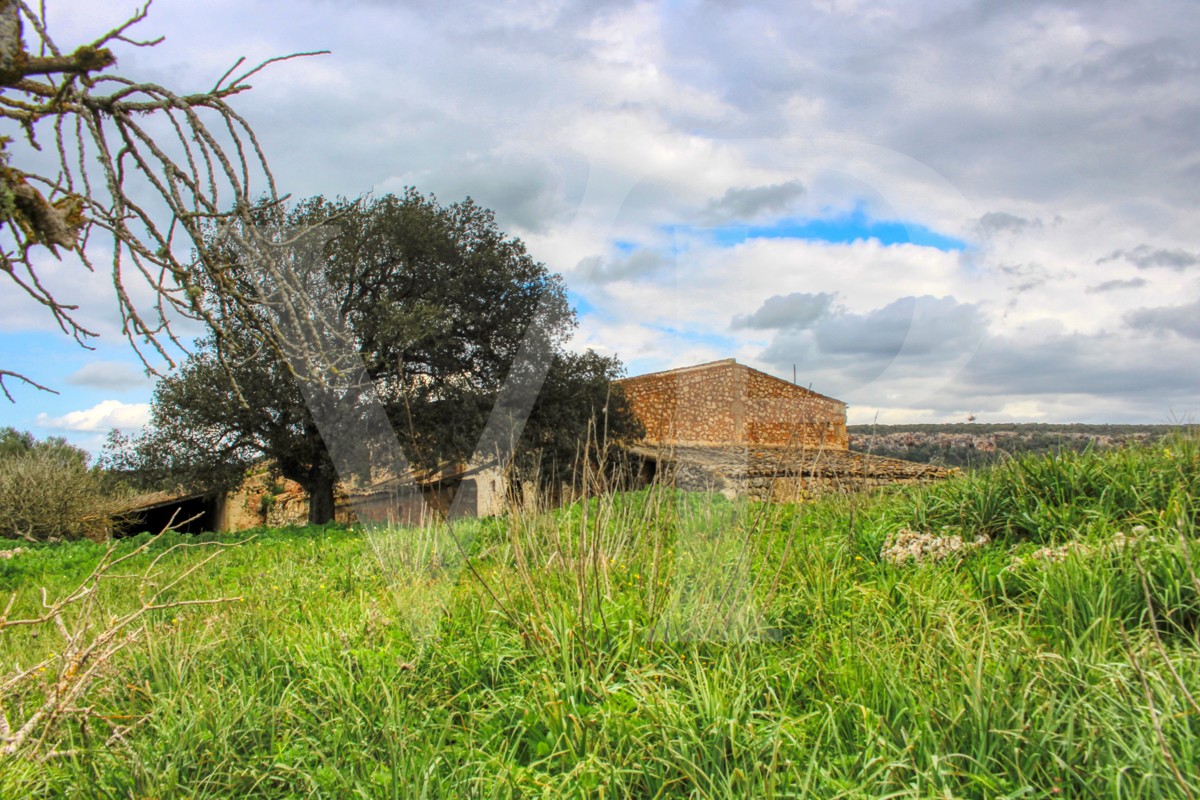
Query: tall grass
[[665, 644], [1048, 498]]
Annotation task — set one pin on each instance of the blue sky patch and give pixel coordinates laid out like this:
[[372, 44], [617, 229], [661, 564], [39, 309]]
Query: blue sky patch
[[580, 303], [708, 338], [846, 229], [51, 358]]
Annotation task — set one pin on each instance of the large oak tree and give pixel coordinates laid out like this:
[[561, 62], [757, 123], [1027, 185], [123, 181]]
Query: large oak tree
[[434, 301]]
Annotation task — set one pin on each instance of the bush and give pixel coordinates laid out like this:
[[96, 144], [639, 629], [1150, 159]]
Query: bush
[[48, 493]]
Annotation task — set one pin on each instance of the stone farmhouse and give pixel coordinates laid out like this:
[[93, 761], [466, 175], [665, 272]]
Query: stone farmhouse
[[726, 403], [720, 426], [727, 427], [273, 502]]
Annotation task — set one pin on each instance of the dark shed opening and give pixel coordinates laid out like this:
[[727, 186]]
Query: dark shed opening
[[195, 513]]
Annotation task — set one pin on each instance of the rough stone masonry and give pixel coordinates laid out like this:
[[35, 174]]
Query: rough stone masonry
[[725, 427], [727, 403]]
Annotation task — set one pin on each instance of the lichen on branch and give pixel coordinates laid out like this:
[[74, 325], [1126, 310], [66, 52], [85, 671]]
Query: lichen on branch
[[107, 131]]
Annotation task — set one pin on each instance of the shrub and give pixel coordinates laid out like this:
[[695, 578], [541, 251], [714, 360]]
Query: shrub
[[48, 493]]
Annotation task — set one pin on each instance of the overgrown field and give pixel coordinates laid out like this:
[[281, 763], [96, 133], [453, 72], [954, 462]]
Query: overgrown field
[[652, 644]]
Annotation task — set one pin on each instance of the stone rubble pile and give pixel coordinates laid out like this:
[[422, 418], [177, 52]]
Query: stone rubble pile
[[906, 545], [1055, 555]]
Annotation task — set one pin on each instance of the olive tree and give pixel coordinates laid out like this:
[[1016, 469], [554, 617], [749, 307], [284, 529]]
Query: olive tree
[[48, 491]]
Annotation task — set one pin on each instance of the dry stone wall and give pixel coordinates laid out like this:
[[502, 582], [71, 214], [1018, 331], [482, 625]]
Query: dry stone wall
[[726, 403], [262, 500], [688, 405], [780, 473]]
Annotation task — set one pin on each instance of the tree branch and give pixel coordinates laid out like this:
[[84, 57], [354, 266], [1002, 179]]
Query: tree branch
[[202, 176], [84, 60], [4, 373]]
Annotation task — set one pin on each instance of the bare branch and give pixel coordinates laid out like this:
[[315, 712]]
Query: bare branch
[[81, 62], [88, 650], [4, 373], [234, 84], [119, 31], [211, 171]]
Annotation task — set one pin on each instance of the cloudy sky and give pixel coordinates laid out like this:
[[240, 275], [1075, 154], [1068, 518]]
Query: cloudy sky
[[929, 210]]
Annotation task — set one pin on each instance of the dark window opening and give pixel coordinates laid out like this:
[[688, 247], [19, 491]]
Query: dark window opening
[[196, 514]]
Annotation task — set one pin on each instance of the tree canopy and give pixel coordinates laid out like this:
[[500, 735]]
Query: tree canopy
[[15, 443], [434, 304]]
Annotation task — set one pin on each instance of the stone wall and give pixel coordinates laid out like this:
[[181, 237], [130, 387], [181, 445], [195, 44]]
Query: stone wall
[[725, 403], [779, 473], [781, 413], [395, 504], [686, 405], [265, 501]]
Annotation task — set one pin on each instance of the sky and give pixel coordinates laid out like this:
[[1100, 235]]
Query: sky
[[930, 210]]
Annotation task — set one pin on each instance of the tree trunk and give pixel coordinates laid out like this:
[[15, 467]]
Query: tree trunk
[[321, 477], [320, 497]]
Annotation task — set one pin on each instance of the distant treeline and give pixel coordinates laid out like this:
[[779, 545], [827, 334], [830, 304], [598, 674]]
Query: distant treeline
[[971, 445]]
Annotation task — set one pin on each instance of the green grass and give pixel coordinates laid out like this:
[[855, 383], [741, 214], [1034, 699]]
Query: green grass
[[658, 644]]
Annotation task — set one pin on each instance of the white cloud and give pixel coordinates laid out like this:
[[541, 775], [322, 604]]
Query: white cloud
[[101, 417], [109, 376], [1050, 135]]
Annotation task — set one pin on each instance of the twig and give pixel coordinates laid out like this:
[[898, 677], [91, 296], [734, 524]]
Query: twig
[[84, 655], [4, 373], [1162, 650]]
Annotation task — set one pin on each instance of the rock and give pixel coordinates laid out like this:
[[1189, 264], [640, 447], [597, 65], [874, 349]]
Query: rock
[[905, 545]]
